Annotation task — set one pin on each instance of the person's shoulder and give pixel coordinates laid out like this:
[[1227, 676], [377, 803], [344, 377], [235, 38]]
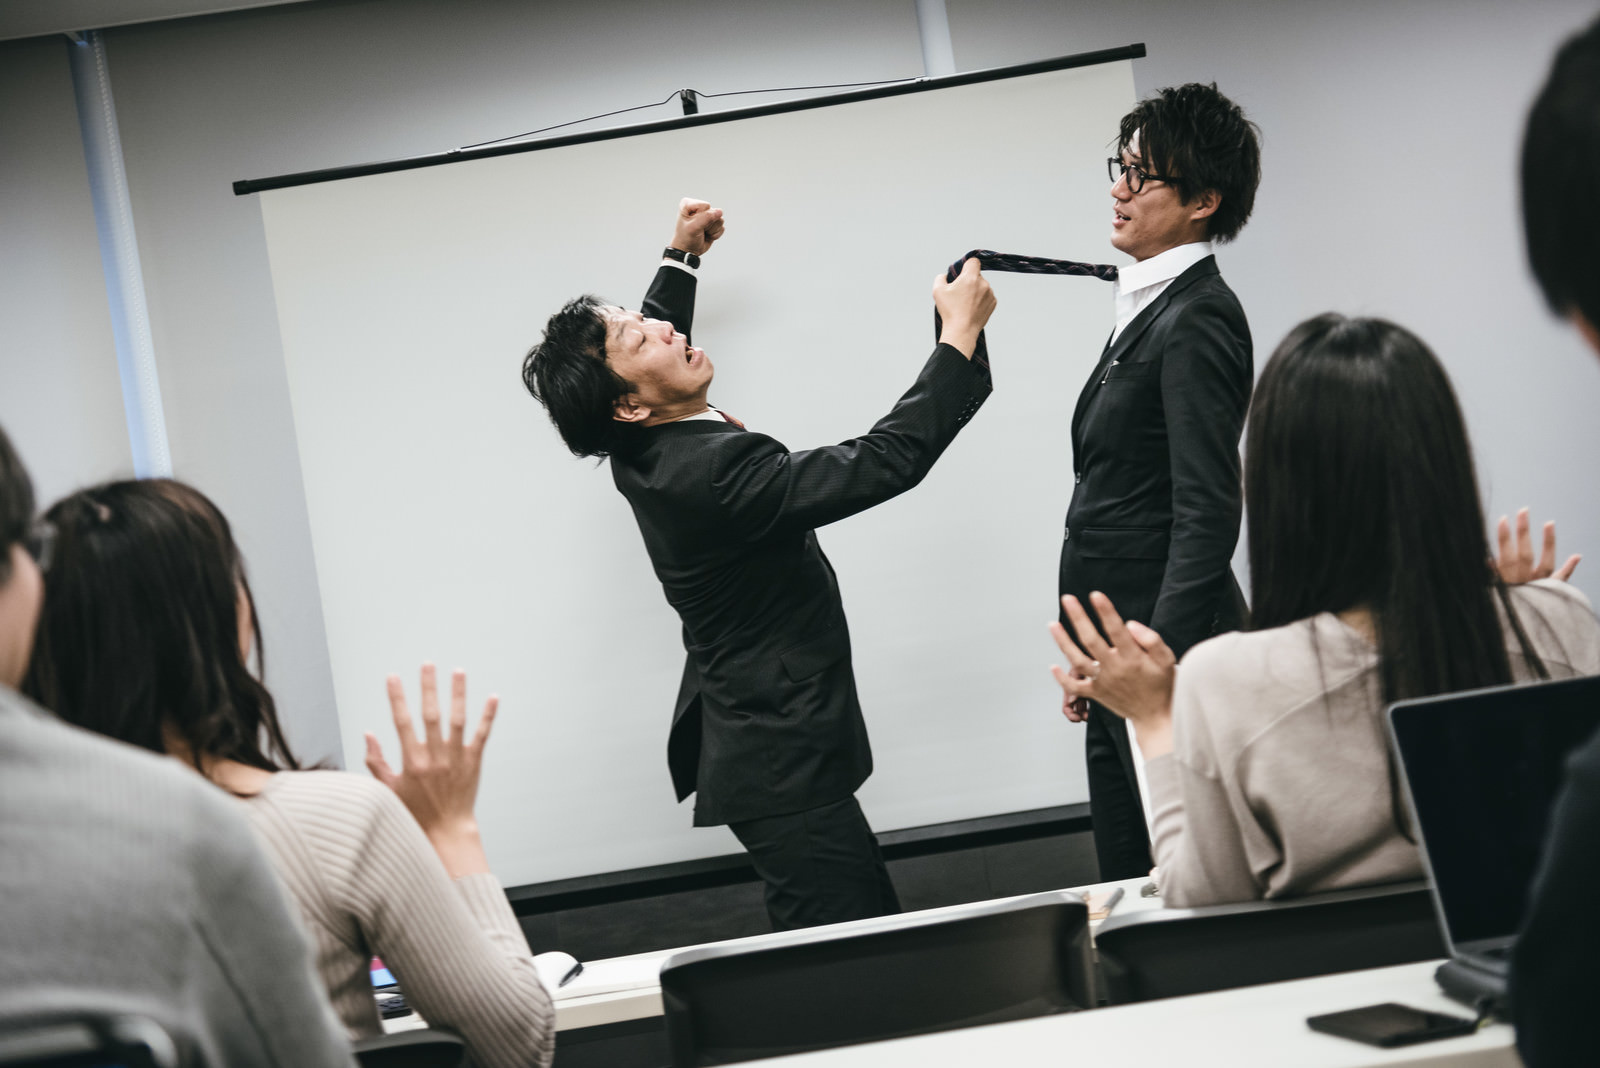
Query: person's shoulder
[[1559, 621], [1282, 660], [349, 796]]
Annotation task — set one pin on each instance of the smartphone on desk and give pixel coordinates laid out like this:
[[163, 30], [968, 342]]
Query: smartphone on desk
[[1391, 1025]]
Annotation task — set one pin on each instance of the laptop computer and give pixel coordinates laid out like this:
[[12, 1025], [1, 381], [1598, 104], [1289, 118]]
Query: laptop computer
[[1482, 770]]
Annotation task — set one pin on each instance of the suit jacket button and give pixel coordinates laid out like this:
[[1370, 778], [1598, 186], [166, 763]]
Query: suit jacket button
[[1077, 477], [1067, 534]]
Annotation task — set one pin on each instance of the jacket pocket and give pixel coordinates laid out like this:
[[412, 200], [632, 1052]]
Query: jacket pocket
[[1123, 543], [1120, 371], [810, 658]]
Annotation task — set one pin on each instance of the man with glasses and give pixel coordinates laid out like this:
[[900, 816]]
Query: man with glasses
[[128, 884], [1156, 499]]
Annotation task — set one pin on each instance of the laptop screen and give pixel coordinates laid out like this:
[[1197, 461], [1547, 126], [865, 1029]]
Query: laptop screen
[[1483, 769]]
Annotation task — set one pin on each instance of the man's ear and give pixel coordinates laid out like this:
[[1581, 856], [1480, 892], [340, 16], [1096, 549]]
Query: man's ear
[[1205, 205], [627, 409], [1587, 329]]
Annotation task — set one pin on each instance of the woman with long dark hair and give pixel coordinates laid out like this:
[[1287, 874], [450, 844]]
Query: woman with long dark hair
[[1371, 581], [146, 635]]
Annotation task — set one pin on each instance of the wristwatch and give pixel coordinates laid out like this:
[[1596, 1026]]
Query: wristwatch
[[688, 259]]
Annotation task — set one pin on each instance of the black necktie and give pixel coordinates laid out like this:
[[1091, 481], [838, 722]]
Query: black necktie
[[1006, 261]]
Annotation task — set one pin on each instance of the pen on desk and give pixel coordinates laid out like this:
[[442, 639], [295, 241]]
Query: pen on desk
[[573, 973], [1111, 901]]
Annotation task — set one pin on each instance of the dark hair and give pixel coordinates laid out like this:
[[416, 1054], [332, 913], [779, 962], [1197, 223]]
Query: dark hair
[[16, 504], [139, 634], [568, 374], [1202, 139], [1360, 491], [1560, 177]]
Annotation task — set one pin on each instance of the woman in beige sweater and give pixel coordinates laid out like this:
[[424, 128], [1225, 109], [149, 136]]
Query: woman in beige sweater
[[1268, 763], [146, 636]]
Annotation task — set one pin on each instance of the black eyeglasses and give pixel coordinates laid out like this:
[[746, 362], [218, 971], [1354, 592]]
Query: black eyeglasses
[[40, 543], [1136, 175]]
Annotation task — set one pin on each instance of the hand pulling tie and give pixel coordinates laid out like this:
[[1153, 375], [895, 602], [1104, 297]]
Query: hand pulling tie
[[1006, 261]]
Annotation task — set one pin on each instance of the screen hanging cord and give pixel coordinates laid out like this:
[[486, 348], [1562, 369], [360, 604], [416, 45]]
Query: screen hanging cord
[[676, 93]]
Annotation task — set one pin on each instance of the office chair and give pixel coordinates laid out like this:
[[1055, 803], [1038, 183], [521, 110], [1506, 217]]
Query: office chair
[[85, 1040], [1172, 952], [423, 1048], [901, 975]]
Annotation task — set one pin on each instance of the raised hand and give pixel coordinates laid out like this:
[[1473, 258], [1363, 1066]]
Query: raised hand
[[699, 226], [1130, 671], [438, 777], [1515, 563], [964, 307]]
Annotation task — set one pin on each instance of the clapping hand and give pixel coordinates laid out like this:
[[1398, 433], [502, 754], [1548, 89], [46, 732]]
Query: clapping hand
[[699, 226], [1516, 565], [1130, 670], [438, 778]]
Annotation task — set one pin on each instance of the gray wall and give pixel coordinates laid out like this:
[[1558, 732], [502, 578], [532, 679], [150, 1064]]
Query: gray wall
[[1390, 142]]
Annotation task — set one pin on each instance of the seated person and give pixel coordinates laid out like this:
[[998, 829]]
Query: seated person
[[128, 885], [1268, 762], [146, 636], [1552, 969]]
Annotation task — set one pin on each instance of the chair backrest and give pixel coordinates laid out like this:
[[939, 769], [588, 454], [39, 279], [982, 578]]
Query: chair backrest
[[902, 975], [421, 1048], [1172, 952], [85, 1040]]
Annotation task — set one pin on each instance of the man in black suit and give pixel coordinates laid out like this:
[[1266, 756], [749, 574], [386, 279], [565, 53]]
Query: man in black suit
[[1553, 964], [767, 729], [1157, 500]]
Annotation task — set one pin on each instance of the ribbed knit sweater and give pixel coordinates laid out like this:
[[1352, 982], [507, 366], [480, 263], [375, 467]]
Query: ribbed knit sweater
[[369, 884]]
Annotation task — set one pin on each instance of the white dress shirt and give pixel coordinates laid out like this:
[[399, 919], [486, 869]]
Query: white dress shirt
[[1142, 282]]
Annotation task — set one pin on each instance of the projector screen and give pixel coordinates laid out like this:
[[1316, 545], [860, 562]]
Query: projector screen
[[450, 523]]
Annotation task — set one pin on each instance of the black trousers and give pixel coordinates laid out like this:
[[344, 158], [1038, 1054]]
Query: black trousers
[[1121, 837], [820, 866]]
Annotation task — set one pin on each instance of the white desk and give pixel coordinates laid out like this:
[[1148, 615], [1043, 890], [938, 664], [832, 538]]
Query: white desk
[[1252, 1027], [639, 974]]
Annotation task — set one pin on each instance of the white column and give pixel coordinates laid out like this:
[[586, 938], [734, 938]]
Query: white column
[[933, 26], [119, 257]]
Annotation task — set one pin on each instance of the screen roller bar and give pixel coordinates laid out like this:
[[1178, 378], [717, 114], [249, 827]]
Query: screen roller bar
[[246, 186]]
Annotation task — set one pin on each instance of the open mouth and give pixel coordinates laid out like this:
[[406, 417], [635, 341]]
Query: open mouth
[[1118, 217]]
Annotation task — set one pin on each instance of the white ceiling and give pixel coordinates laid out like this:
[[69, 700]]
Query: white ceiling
[[37, 18]]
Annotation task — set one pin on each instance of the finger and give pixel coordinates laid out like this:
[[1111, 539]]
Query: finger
[[1524, 543], [1075, 687], [1568, 568], [1547, 556], [486, 722], [402, 715], [430, 706], [1503, 536], [1082, 662], [458, 706], [376, 764], [1152, 643], [1090, 638], [1080, 710], [689, 207], [972, 268], [1116, 631]]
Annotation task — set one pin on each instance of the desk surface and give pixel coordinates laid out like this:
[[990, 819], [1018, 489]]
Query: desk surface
[[1251, 1027], [639, 974]]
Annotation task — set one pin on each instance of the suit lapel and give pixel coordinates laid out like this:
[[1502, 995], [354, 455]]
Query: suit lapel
[[1130, 336]]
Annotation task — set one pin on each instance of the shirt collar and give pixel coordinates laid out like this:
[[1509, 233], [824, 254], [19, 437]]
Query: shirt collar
[[1161, 268]]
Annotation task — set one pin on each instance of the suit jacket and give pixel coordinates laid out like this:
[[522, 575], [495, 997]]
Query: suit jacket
[[1155, 442], [1552, 964], [767, 721]]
